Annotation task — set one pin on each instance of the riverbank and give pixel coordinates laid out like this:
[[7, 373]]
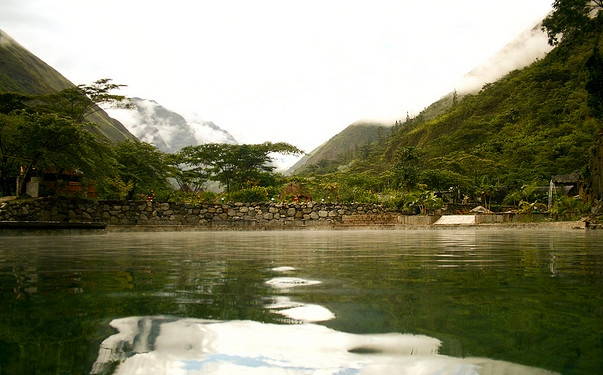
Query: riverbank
[[204, 215], [559, 226], [73, 213]]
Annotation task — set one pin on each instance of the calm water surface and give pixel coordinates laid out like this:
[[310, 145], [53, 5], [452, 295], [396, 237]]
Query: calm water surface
[[469, 301]]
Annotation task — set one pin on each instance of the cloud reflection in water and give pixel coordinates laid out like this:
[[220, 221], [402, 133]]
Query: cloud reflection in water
[[169, 345], [178, 346]]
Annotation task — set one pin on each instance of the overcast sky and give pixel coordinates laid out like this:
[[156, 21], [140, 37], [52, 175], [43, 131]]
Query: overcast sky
[[298, 71]]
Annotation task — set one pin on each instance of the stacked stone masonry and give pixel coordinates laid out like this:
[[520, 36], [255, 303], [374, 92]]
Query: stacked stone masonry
[[152, 215], [231, 215]]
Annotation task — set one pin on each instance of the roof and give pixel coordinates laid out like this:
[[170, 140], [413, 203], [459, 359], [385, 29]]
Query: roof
[[572, 178]]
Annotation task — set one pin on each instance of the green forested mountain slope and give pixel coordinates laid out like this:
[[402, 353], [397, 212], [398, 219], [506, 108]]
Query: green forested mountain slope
[[344, 147], [529, 125], [24, 73], [501, 142]]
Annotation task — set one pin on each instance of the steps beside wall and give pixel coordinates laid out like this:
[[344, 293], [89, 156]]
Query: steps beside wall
[[456, 220]]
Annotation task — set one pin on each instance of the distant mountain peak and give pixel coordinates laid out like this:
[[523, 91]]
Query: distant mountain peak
[[167, 130]]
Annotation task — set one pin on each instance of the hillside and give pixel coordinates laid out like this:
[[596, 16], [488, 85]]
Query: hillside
[[529, 125], [528, 46], [24, 73], [341, 149], [497, 144]]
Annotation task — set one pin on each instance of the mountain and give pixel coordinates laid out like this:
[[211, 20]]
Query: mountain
[[524, 49], [529, 125], [167, 130], [529, 46], [24, 73], [341, 149], [497, 143]]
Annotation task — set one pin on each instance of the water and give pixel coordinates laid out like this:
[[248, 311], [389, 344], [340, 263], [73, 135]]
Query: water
[[303, 302]]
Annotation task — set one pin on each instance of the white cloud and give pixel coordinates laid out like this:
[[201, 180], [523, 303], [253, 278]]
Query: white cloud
[[279, 70]]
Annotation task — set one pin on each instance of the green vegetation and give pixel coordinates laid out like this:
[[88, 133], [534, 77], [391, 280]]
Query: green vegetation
[[497, 147], [235, 167], [23, 73], [488, 146], [351, 143], [46, 134]]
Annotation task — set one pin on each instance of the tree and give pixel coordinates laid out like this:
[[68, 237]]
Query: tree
[[185, 175], [594, 84], [234, 166], [569, 17], [47, 140], [81, 101], [141, 167], [486, 191], [10, 151], [445, 180], [406, 168], [49, 131], [10, 102]]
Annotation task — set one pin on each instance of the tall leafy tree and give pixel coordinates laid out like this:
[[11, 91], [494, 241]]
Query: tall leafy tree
[[594, 84], [406, 167], [234, 166], [141, 166], [48, 140], [42, 131], [10, 102], [10, 151], [569, 17]]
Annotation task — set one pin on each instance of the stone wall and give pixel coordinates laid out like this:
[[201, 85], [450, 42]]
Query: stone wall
[[235, 215], [143, 215]]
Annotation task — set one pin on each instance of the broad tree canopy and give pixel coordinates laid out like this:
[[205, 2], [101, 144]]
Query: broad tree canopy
[[37, 140], [233, 166]]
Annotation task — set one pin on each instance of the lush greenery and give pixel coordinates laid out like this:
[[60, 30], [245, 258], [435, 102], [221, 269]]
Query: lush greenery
[[235, 167], [47, 134], [496, 147], [24, 73], [490, 146], [343, 148]]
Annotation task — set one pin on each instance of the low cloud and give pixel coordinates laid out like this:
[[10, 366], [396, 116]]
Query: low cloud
[[167, 130], [529, 46]]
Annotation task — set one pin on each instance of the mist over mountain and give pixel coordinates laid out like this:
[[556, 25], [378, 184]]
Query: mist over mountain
[[523, 50], [169, 131], [528, 46]]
